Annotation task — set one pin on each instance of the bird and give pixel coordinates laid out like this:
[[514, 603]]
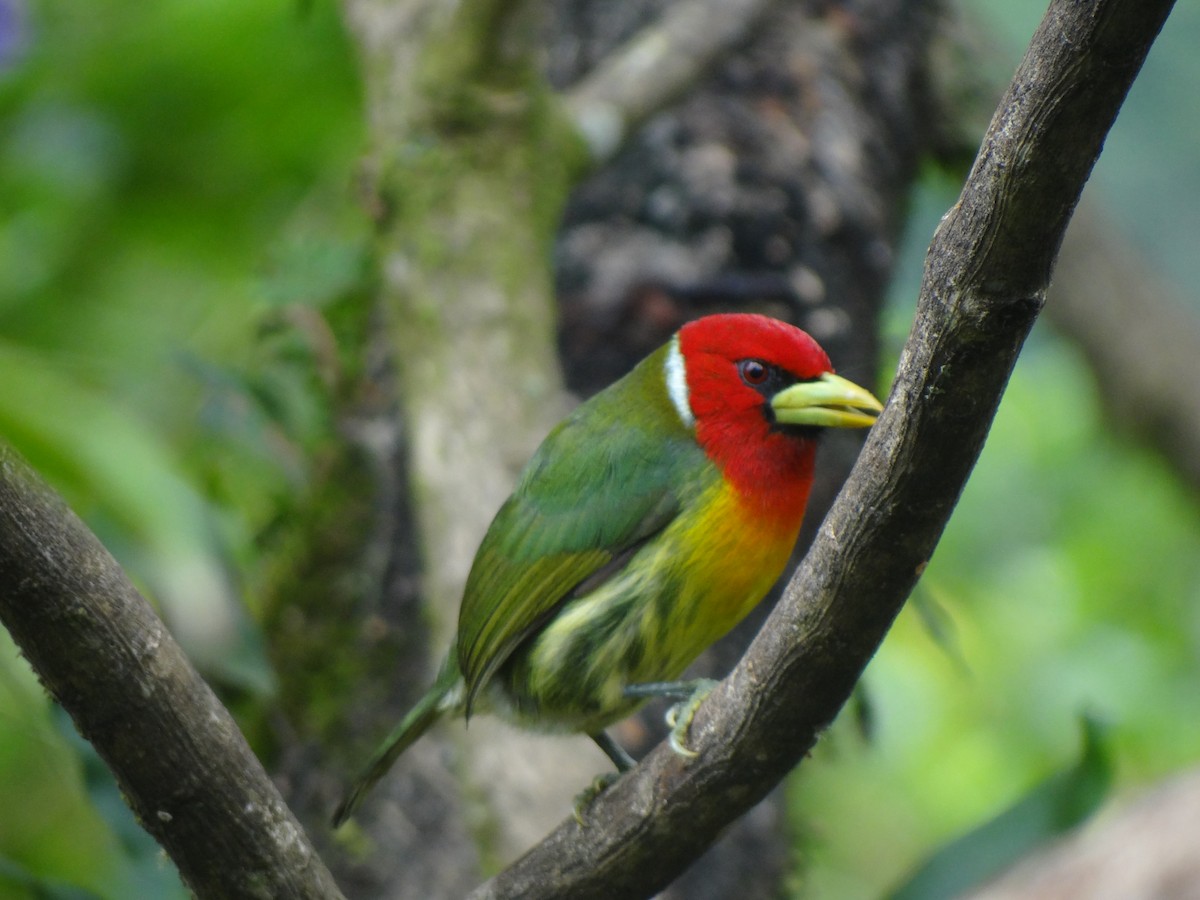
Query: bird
[[647, 524]]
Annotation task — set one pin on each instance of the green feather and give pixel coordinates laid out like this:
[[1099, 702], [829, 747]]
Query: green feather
[[435, 703], [624, 550], [605, 480], [618, 471]]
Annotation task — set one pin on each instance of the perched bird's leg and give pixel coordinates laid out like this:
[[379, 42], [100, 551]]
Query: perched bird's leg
[[585, 798], [614, 751], [621, 759], [688, 694]]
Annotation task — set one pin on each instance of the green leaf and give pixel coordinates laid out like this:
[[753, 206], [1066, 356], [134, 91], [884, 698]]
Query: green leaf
[[109, 463], [1055, 806]]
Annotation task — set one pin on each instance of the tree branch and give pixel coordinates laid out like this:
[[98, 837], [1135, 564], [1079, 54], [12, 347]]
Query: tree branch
[[984, 285], [100, 650], [1136, 332], [654, 67]]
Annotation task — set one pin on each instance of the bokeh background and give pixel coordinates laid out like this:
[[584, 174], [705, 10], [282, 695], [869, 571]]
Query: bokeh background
[[179, 219]]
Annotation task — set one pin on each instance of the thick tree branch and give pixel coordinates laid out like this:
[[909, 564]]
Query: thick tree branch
[[182, 764], [655, 66], [1136, 333], [984, 285]]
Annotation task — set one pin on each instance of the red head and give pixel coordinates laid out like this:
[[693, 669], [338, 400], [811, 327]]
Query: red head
[[743, 374]]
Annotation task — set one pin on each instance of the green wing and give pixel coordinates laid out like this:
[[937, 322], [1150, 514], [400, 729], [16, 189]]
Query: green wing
[[591, 493]]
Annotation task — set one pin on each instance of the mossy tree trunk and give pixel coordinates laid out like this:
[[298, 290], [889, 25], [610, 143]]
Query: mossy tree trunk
[[467, 177], [466, 174]]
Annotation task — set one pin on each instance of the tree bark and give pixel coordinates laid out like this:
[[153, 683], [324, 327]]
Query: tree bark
[[468, 164], [1136, 332], [103, 654], [984, 286], [661, 62]]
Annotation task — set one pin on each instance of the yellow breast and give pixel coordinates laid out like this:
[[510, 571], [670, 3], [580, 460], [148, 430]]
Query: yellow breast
[[678, 594], [729, 558]]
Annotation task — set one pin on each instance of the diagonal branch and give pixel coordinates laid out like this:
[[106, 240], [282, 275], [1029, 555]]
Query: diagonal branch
[[985, 279], [1137, 333], [98, 647]]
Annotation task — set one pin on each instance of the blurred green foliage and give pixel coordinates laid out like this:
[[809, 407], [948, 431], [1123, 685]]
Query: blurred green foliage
[[176, 212], [1068, 580], [177, 227], [1058, 804]]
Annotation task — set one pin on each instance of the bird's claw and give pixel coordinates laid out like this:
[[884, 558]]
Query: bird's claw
[[585, 798], [679, 717]]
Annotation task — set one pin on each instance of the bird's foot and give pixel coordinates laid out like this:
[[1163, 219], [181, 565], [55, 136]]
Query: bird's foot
[[689, 694], [679, 717], [585, 798]]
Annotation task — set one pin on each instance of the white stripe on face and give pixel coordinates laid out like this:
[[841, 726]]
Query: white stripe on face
[[675, 371]]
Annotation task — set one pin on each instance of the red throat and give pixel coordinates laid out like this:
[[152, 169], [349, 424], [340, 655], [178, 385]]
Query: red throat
[[771, 469]]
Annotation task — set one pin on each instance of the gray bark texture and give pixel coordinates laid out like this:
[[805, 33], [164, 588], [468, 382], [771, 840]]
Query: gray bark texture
[[103, 654]]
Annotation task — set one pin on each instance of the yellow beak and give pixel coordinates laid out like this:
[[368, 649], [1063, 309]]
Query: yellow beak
[[829, 402]]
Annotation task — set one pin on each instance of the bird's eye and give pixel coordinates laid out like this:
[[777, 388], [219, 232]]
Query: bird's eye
[[753, 371]]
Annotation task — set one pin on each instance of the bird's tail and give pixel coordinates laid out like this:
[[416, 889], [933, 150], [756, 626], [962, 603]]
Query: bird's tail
[[443, 696]]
